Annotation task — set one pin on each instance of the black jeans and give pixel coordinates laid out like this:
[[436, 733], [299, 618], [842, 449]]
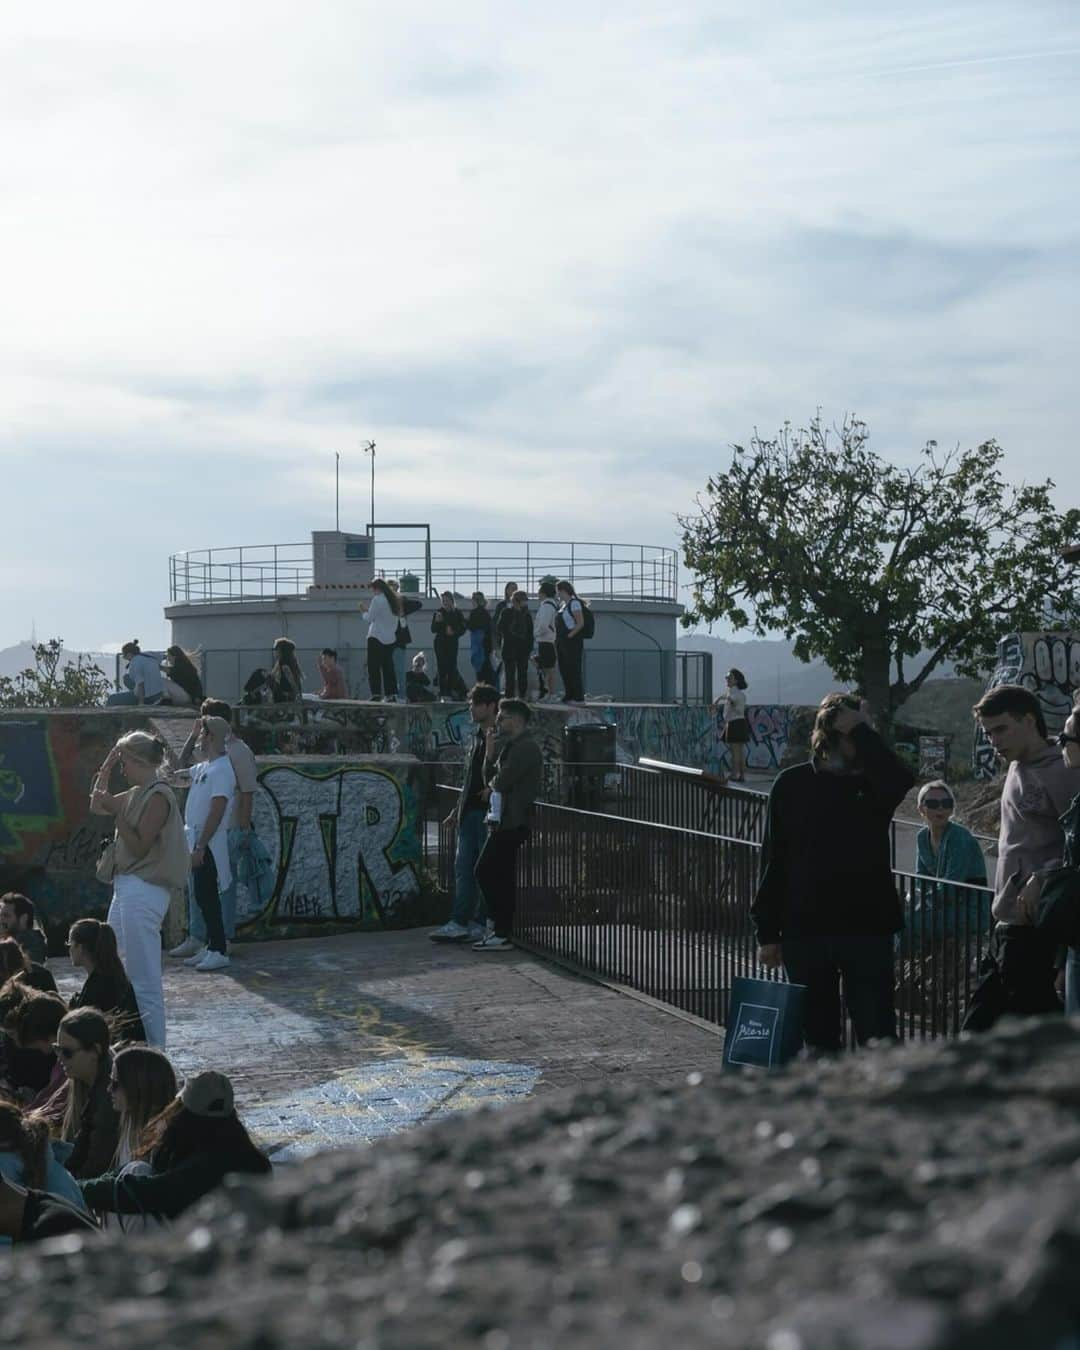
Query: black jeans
[[865, 968], [571, 652], [496, 874], [204, 882], [516, 665], [449, 680], [380, 668]]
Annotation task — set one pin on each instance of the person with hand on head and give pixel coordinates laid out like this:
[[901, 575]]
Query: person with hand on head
[[91, 1123], [248, 861], [191, 1147], [148, 860], [826, 906], [19, 921], [382, 614], [213, 785]]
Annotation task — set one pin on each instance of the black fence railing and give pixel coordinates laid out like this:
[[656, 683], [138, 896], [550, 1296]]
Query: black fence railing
[[664, 909]]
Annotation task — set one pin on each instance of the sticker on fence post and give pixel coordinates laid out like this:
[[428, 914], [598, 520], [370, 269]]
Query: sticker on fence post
[[765, 1023]]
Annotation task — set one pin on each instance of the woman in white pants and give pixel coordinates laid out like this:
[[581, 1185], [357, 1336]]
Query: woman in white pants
[[149, 857]]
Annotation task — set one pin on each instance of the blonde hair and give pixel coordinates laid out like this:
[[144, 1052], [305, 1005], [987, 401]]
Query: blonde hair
[[941, 785], [141, 745]]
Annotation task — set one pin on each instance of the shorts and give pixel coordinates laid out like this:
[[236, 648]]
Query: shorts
[[545, 655]]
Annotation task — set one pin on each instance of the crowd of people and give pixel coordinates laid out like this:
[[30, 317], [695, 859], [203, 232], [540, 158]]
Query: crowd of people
[[827, 907], [94, 1126], [509, 647]]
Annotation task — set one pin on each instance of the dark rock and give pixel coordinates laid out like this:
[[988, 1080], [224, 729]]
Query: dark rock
[[908, 1199]]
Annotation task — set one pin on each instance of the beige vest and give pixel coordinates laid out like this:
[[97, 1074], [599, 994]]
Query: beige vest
[[168, 859]]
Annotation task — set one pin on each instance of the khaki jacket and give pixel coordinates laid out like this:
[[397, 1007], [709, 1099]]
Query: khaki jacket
[[516, 772]]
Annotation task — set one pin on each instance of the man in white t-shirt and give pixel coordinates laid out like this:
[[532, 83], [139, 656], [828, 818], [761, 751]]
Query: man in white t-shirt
[[143, 677], [544, 631], [238, 824], [213, 785]]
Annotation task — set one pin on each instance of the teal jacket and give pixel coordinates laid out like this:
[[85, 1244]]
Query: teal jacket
[[958, 859]]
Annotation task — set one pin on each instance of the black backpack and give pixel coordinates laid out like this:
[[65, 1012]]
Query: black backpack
[[590, 620]]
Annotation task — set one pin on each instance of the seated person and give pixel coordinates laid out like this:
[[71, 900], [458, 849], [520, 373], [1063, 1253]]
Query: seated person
[[93, 948], [26, 1155], [13, 960], [333, 677], [91, 1122], [195, 1142], [28, 1215], [142, 1085], [418, 682], [17, 920], [33, 1069]]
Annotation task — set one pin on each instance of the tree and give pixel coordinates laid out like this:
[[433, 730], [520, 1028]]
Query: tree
[[48, 685], [871, 566]]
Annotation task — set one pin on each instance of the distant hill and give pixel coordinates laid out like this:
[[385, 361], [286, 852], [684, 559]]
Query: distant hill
[[14, 660], [773, 672]]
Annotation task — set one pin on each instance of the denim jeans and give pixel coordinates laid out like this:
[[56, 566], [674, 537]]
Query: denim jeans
[[469, 904]]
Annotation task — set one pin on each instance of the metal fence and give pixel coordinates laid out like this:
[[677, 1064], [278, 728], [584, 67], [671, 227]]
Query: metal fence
[[603, 571], [664, 909]]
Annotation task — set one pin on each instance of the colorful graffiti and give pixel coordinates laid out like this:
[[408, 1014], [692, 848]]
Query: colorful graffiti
[[29, 793], [1046, 663], [343, 845]]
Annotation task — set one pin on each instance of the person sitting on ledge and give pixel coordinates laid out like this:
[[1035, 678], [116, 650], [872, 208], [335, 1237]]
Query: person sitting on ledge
[[17, 920], [418, 681], [192, 1146], [183, 687], [333, 677]]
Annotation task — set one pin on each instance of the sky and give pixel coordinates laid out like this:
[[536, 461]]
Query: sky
[[553, 259]]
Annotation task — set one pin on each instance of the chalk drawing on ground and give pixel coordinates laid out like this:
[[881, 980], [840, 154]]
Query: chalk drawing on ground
[[342, 843], [376, 1100]]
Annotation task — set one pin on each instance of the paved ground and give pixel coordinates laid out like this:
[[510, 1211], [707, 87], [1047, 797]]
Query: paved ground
[[348, 1039]]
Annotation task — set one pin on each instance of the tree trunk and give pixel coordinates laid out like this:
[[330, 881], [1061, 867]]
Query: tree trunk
[[875, 682]]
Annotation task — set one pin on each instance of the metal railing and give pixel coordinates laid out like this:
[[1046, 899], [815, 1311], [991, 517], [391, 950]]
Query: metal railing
[[665, 910], [624, 572]]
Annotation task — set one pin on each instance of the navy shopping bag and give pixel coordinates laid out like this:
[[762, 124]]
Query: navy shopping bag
[[765, 1023]]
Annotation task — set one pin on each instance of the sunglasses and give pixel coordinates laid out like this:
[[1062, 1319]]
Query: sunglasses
[[938, 803], [1062, 739]]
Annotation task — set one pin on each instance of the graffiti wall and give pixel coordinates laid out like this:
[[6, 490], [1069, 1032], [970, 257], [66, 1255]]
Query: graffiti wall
[[439, 732], [1046, 663], [344, 846]]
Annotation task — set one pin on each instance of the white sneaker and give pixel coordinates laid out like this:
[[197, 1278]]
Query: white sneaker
[[213, 961], [493, 944], [450, 932], [188, 947], [195, 957]]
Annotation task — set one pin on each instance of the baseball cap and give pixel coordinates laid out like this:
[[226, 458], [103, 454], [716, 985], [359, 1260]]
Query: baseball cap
[[208, 1094]]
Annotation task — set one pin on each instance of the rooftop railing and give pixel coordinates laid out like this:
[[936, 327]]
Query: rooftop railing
[[635, 573]]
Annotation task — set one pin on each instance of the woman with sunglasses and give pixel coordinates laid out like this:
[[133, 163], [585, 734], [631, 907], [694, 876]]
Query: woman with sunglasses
[[191, 1147], [947, 851], [91, 1122]]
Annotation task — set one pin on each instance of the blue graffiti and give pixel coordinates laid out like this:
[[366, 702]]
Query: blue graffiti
[[28, 795]]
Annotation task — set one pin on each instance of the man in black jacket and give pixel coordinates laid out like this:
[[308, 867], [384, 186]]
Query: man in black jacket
[[827, 906]]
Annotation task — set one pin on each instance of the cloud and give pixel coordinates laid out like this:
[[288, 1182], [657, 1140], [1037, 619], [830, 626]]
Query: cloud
[[553, 261]]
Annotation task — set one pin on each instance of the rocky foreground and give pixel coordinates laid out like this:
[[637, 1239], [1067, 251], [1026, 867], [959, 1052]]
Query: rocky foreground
[[903, 1200]]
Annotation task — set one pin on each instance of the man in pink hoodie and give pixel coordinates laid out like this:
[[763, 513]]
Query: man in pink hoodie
[[1038, 789]]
